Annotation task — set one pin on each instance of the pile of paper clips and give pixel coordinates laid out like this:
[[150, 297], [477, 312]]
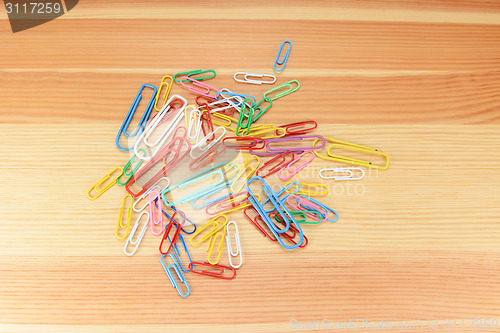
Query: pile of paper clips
[[210, 159]]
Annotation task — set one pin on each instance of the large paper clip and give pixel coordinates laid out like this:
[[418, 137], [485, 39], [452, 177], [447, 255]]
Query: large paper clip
[[213, 241], [154, 196], [311, 189], [120, 225], [295, 170], [137, 241], [299, 128], [160, 118], [342, 173], [284, 191], [178, 271], [236, 252], [195, 83], [128, 118], [196, 72], [106, 187], [168, 86], [216, 271], [171, 224], [289, 89], [130, 173], [250, 78], [283, 62], [177, 253], [350, 160], [281, 163]]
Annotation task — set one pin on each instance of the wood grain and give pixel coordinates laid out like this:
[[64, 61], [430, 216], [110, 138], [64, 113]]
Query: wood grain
[[418, 242]]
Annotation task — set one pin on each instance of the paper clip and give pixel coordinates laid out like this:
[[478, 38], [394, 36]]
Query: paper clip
[[213, 241], [177, 253], [285, 57], [105, 187], [348, 173], [279, 193], [208, 120], [217, 270], [216, 225], [349, 160], [304, 188], [296, 169], [205, 197], [134, 169], [128, 118], [182, 227], [311, 206], [171, 224], [288, 85], [298, 128], [196, 83], [258, 225], [196, 72], [245, 116], [120, 225], [203, 141], [132, 234], [168, 86], [177, 269], [252, 142], [257, 109], [157, 187], [152, 212], [241, 96], [292, 139], [248, 78], [194, 122], [208, 156], [325, 207], [282, 163], [230, 251]]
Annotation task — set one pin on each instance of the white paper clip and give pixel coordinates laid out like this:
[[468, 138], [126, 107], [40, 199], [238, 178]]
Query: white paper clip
[[194, 122], [158, 120], [203, 141], [145, 195], [348, 173], [230, 251], [247, 78], [132, 233]]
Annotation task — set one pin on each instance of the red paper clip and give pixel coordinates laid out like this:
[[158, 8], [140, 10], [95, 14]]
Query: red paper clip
[[217, 270], [281, 164], [296, 128], [209, 127], [292, 229], [257, 225], [253, 141]]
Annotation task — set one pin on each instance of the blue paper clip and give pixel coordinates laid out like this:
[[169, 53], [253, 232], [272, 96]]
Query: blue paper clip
[[325, 207], [128, 118], [178, 254], [285, 58], [178, 271], [265, 217], [279, 193], [169, 217]]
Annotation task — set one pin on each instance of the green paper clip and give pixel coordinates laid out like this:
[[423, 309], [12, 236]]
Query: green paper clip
[[290, 90], [134, 169], [196, 72]]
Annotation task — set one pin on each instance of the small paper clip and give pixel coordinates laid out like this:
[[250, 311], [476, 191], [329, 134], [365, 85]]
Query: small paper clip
[[177, 253], [320, 212], [171, 224], [298, 128], [242, 97], [177, 269], [285, 57], [134, 169], [230, 251], [258, 111], [346, 173], [213, 241], [157, 187], [120, 225], [350, 160], [245, 116], [128, 118], [248, 78], [217, 270], [325, 207], [194, 123], [196, 83], [132, 234], [196, 72], [296, 169], [208, 156], [216, 226], [154, 195], [288, 85], [105, 187], [203, 141], [257, 225], [252, 142], [168, 86], [282, 163]]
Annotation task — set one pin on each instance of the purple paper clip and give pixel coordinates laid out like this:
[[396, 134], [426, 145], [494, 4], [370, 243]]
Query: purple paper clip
[[294, 138]]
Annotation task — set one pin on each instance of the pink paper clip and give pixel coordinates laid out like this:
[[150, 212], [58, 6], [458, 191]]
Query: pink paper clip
[[297, 169], [154, 195], [200, 84], [309, 204]]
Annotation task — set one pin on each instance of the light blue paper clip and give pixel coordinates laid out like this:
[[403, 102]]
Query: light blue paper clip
[[128, 118], [207, 202], [178, 254], [178, 271], [325, 207], [281, 210], [285, 58], [279, 193]]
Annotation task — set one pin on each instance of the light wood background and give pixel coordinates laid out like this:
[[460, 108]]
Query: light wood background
[[418, 242]]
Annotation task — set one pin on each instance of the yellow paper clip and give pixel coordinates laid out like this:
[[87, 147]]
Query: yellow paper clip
[[213, 241], [351, 146], [107, 186], [309, 189], [216, 226], [120, 225], [168, 86]]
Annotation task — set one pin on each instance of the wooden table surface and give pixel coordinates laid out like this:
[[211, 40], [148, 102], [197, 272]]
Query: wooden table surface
[[418, 242]]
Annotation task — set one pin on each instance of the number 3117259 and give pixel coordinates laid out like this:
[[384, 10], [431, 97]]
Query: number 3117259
[[33, 8]]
